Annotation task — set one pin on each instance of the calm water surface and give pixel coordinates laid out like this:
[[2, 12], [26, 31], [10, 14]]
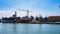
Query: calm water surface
[[29, 28]]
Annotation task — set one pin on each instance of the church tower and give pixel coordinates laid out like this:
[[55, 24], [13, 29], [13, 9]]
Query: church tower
[[15, 15]]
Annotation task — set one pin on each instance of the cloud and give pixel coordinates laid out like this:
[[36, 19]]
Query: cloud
[[43, 7]]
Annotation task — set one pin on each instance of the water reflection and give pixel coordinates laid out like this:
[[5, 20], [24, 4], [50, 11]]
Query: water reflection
[[29, 29], [14, 29]]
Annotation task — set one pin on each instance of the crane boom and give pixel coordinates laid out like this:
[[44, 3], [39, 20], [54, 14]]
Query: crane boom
[[26, 11]]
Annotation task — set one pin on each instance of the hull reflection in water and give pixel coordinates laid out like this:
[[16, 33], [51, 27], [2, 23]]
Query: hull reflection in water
[[16, 28]]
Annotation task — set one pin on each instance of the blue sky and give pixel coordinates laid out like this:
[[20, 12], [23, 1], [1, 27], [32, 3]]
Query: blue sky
[[43, 7]]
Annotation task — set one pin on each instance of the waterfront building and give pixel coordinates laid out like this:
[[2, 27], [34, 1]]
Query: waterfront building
[[40, 18], [7, 20], [10, 19], [0, 20], [45, 19], [14, 19], [25, 19], [54, 19], [34, 21]]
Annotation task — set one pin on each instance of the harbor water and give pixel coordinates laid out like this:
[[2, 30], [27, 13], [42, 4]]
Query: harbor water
[[19, 28]]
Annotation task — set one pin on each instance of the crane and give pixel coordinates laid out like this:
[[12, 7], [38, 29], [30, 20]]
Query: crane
[[26, 11]]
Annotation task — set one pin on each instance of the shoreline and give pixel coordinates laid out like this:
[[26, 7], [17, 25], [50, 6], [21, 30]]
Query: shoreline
[[37, 22]]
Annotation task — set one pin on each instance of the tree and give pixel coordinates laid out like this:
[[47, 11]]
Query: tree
[[37, 18], [31, 17]]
